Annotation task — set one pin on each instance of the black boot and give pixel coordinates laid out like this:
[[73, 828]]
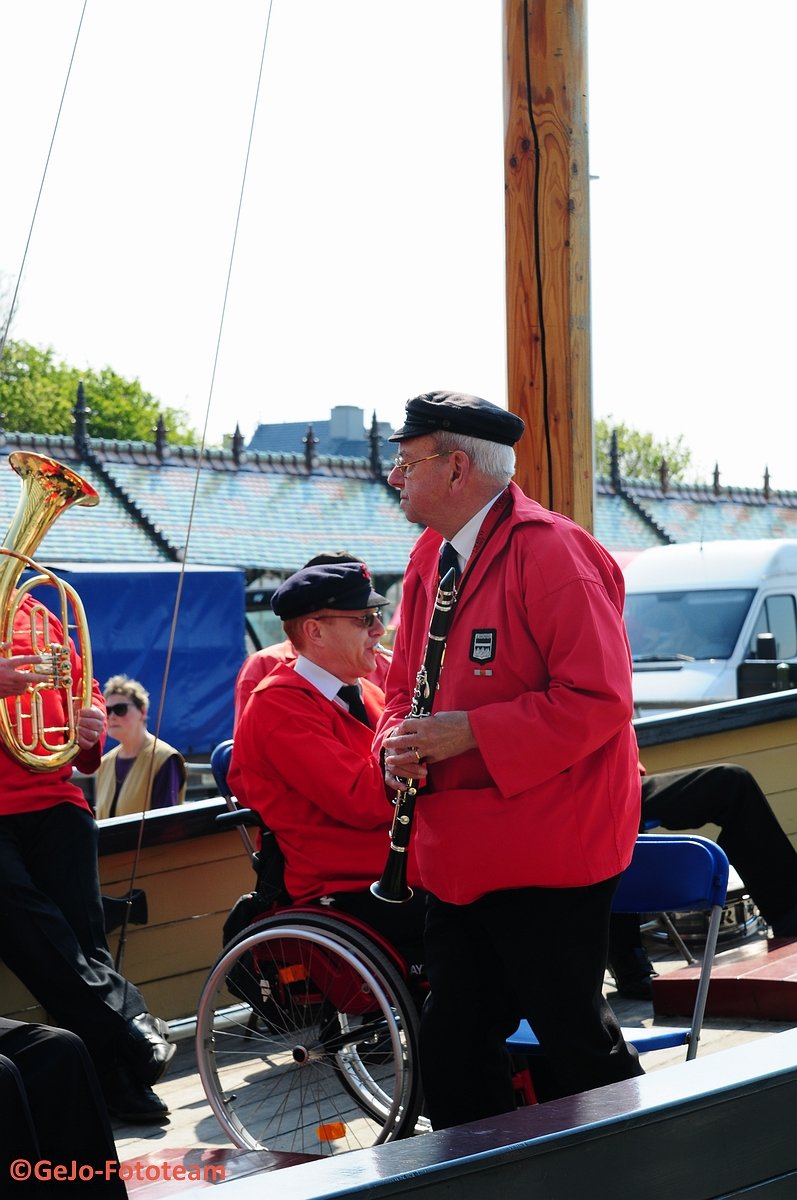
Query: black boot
[[632, 971], [129, 1100]]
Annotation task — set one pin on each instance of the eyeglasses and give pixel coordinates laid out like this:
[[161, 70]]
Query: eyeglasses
[[404, 467], [367, 619], [118, 710]]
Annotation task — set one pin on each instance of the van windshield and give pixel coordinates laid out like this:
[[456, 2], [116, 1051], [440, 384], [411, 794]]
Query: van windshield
[[663, 626]]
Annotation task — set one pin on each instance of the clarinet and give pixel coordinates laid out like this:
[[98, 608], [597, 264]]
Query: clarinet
[[392, 886]]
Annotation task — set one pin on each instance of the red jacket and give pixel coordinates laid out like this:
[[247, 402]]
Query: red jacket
[[23, 790], [305, 764], [537, 654]]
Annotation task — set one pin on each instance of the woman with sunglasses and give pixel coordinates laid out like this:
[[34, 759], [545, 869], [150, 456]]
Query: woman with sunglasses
[[142, 772]]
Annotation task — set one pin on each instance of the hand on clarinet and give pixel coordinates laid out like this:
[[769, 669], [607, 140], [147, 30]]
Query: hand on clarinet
[[417, 741]]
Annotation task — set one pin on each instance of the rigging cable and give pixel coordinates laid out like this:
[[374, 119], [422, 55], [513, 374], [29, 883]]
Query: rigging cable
[[201, 457], [197, 476], [538, 258], [12, 306]]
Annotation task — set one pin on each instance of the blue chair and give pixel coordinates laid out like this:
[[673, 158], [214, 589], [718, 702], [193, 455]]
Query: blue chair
[[668, 873], [240, 818], [220, 764]]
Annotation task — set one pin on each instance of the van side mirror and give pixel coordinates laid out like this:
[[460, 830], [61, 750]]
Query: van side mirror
[[766, 647]]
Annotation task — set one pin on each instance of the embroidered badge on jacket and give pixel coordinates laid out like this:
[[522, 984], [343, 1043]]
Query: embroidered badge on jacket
[[482, 645]]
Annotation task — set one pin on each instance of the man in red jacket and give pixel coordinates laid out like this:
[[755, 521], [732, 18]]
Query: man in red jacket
[[531, 807], [52, 933], [302, 751]]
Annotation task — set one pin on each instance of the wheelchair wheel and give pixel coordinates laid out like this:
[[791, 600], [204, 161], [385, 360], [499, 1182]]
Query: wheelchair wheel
[[307, 1039]]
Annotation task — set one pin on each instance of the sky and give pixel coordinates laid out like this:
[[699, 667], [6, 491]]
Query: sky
[[351, 250]]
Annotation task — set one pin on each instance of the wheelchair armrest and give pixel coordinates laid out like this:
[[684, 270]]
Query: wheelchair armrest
[[241, 816]]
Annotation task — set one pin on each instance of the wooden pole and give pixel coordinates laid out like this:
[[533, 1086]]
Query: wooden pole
[[547, 248]]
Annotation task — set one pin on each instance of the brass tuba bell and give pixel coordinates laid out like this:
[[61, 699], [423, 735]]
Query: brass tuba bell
[[48, 488]]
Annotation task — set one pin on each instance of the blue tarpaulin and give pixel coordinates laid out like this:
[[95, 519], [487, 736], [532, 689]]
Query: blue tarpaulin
[[130, 611]]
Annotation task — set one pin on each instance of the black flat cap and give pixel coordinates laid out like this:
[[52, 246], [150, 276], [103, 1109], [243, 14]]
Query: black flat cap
[[340, 585], [454, 412]]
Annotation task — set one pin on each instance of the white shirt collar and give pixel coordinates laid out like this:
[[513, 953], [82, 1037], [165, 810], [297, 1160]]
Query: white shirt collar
[[328, 685], [464, 539]]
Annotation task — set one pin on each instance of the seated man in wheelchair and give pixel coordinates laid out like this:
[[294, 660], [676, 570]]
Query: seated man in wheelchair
[[302, 754]]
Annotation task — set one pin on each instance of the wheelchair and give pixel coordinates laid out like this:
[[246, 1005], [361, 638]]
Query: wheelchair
[[307, 1032]]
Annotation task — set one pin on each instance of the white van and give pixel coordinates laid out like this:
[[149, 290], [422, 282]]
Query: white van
[[694, 613]]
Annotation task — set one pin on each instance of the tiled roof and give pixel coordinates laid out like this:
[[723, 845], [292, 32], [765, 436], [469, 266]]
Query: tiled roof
[[103, 533], [268, 519], [264, 512], [690, 513], [619, 525]]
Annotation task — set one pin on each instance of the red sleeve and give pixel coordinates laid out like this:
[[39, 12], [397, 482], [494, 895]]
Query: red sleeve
[[290, 739]]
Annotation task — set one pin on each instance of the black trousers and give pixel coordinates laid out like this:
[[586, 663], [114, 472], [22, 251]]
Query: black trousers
[[52, 933], [726, 795], [52, 1113], [399, 924], [538, 953]]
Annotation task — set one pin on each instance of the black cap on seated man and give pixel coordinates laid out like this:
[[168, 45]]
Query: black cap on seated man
[[346, 586], [456, 412]]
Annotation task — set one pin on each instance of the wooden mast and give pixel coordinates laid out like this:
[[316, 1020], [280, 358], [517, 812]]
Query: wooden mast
[[547, 250]]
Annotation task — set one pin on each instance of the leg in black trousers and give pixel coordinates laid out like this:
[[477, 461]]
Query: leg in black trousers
[[399, 924], [51, 925], [538, 953], [59, 1098], [728, 796], [52, 937]]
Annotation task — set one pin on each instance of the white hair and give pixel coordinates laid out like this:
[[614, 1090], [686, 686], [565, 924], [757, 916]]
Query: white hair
[[491, 458]]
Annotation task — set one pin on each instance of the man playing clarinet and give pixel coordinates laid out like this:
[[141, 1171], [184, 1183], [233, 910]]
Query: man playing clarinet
[[530, 808]]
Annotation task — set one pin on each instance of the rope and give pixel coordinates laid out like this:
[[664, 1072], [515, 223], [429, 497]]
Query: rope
[[194, 495], [12, 306]]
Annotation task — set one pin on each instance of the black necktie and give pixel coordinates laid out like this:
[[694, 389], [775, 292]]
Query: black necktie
[[350, 695], [448, 559]]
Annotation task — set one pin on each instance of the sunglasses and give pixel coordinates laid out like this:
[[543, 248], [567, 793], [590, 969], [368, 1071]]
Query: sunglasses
[[118, 710], [367, 619]]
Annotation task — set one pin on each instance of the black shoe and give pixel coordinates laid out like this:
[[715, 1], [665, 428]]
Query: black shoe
[[786, 925], [147, 1047], [128, 1100], [632, 972]]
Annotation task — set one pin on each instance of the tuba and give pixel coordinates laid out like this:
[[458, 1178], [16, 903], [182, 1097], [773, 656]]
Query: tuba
[[48, 488]]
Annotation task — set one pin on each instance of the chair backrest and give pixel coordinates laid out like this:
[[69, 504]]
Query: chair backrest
[[240, 817], [267, 860], [673, 873], [220, 765]]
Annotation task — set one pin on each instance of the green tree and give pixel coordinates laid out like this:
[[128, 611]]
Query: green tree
[[640, 454], [37, 395]]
